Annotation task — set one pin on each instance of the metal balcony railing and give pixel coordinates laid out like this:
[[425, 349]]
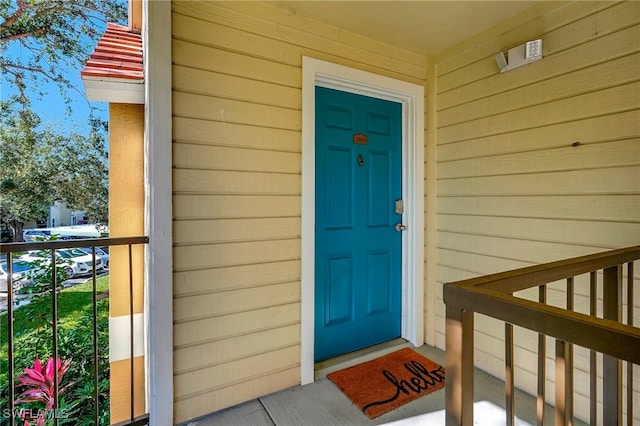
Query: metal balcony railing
[[493, 296], [17, 413]]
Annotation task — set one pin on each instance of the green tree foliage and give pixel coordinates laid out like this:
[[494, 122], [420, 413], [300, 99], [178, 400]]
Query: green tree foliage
[[42, 43], [39, 166], [54, 36]]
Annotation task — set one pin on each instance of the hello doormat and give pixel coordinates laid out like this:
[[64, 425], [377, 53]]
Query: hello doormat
[[384, 384]]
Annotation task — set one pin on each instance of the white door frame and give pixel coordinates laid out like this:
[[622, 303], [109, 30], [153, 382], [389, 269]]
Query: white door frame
[[325, 74]]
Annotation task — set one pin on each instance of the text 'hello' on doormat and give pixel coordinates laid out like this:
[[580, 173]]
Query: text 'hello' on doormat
[[384, 384]]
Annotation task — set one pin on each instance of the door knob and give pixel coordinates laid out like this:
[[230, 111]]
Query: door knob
[[400, 227]]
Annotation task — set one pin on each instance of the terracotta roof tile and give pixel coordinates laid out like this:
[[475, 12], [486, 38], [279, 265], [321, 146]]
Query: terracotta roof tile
[[117, 55]]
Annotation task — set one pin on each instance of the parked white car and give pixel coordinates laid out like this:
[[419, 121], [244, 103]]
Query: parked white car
[[101, 253], [74, 261], [22, 276]]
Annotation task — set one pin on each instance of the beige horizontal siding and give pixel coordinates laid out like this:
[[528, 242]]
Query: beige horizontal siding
[[604, 208], [615, 180], [548, 88], [223, 375], [239, 369], [210, 58], [540, 163], [217, 182], [192, 283], [570, 33], [217, 231], [220, 327], [206, 157], [225, 86], [194, 357], [206, 256], [235, 111], [621, 153], [605, 128], [264, 36], [239, 206], [237, 117], [574, 232], [220, 398], [223, 133], [526, 116], [203, 306]]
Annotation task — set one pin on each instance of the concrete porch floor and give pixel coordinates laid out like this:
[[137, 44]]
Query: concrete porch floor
[[321, 403]]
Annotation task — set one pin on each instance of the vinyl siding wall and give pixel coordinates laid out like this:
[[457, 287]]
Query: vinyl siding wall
[[237, 192], [511, 188]]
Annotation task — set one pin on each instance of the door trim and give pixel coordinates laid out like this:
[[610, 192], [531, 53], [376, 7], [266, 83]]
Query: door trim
[[325, 74]]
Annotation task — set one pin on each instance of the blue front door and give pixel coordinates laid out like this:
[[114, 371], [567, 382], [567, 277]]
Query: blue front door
[[357, 248]]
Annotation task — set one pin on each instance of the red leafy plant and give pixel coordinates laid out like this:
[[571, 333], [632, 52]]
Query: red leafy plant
[[41, 385]]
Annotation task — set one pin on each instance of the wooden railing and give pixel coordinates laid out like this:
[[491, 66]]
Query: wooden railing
[[493, 296]]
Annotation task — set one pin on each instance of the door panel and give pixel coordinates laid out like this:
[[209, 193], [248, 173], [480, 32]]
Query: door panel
[[339, 206], [358, 251], [378, 189], [339, 290], [379, 277]]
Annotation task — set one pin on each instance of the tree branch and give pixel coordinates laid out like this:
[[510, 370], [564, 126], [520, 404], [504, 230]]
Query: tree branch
[[11, 19], [27, 34], [7, 65]]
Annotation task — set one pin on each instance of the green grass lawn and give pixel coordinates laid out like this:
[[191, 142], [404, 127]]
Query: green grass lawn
[[33, 338], [73, 304]]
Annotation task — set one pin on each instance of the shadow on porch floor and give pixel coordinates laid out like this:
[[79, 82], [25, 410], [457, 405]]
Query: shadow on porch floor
[[322, 404]]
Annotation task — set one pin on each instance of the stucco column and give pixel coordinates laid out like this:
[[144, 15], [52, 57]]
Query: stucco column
[[126, 219]]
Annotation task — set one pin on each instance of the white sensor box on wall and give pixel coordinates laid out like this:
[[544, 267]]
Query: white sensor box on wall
[[518, 56]]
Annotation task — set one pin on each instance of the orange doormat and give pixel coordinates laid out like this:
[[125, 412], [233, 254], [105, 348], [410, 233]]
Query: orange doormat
[[384, 384]]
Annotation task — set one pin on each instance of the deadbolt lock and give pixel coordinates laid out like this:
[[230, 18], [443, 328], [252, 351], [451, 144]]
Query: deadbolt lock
[[399, 207]]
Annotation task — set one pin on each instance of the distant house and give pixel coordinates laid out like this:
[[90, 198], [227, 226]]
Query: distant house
[[60, 215]]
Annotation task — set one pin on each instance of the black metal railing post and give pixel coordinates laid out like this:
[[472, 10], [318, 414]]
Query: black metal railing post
[[96, 391], [10, 361], [131, 339], [8, 250]]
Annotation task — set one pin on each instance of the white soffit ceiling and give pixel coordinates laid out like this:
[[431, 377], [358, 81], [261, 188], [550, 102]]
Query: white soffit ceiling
[[428, 27]]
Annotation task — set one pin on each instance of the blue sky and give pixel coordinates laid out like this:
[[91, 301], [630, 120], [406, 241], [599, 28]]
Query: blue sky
[[52, 110], [51, 107]]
